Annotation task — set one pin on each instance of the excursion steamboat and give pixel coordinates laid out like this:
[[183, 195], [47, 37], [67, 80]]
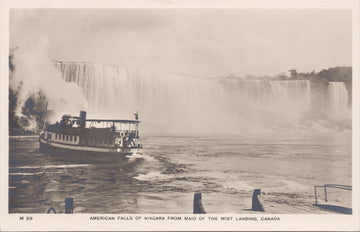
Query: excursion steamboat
[[81, 135]]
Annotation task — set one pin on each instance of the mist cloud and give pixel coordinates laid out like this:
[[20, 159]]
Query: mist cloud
[[35, 74]]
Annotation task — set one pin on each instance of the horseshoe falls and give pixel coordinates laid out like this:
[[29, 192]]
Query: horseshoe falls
[[170, 102]]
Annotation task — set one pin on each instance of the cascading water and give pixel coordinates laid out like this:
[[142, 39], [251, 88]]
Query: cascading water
[[271, 95], [337, 98], [161, 98], [182, 103]]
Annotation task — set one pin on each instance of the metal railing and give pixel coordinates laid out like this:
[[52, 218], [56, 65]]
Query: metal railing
[[337, 186]]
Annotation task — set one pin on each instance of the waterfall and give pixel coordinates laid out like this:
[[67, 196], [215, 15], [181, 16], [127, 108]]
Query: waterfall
[[337, 98], [178, 102], [274, 101], [159, 97]]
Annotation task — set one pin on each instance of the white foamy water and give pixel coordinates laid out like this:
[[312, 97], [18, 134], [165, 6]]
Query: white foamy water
[[150, 176], [136, 156], [54, 166], [23, 174]]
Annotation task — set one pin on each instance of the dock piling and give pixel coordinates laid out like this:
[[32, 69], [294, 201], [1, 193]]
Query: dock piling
[[256, 203], [198, 207], [69, 207]]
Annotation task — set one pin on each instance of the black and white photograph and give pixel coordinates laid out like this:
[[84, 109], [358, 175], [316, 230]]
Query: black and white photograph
[[243, 113]]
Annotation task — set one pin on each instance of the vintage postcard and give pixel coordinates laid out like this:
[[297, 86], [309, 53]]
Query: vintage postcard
[[179, 115]]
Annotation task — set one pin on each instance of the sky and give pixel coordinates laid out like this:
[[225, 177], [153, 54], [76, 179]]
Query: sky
[[201, 42]]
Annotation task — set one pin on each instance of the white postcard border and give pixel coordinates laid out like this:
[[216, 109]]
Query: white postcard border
[[78, 222]]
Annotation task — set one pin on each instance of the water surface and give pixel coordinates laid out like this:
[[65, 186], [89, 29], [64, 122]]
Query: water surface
[[225, 168]]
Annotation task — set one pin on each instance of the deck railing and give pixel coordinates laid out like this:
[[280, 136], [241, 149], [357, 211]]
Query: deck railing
[[337, 186]]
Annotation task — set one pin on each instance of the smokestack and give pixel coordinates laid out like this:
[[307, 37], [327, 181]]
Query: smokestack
[[82, 119]]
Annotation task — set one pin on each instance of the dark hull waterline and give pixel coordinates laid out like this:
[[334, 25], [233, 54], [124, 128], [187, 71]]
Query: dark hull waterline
[[51, 147]]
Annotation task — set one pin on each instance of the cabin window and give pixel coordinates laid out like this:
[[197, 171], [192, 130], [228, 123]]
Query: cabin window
[[50, 135], [75, 138], [67, 138], [70, 137], [55, 136], [63, 137]]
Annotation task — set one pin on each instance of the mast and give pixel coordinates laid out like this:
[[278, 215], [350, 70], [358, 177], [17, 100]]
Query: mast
[[137, 125], [44, 116]]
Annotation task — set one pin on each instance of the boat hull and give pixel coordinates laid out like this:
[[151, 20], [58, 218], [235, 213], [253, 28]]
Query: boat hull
[[50, 146]]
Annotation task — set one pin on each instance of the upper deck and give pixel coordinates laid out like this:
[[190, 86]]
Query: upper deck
[[96, 127]]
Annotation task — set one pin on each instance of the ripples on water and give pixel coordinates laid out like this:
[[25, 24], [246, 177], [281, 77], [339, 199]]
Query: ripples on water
[[172, 168]]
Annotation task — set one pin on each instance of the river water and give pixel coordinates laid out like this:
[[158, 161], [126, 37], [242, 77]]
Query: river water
[[224, 168]]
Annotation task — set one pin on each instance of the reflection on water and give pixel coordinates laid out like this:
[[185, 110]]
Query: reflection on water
[[224, 168]]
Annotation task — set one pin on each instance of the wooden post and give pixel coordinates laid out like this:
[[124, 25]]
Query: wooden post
[[256, 203], [69, 207], [198, 207], [325, 193]]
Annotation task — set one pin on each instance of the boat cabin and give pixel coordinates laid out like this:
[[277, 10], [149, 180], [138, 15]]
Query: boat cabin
[[80, 131]]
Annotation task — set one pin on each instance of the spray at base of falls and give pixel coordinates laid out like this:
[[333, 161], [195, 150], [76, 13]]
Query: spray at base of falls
[[337, 98], [34, 79], [183, 103]]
